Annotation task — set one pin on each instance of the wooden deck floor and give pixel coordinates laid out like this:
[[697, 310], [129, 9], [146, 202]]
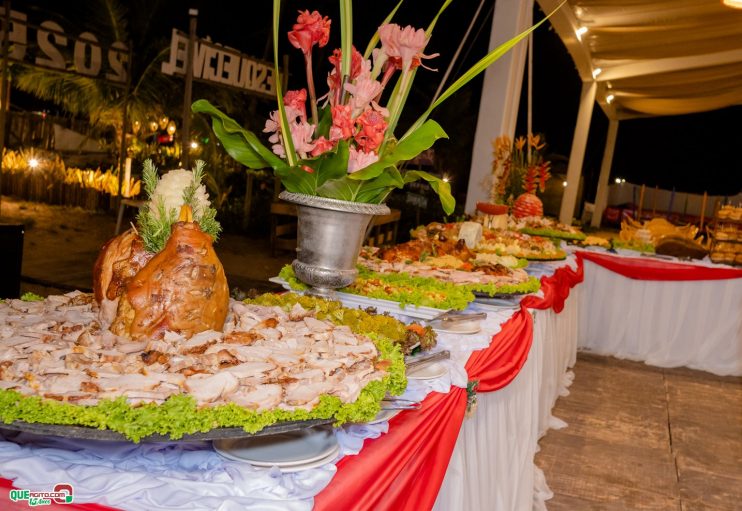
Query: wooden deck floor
[[644, 438]]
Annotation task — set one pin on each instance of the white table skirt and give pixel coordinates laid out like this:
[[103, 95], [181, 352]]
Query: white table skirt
[[697, 324], [492, 465]]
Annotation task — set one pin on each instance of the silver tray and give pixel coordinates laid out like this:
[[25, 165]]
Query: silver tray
[[85, 433]]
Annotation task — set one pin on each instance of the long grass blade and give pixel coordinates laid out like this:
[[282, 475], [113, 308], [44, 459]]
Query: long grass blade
[[375, 38], [430, 28], [288, 142], [346, 36]]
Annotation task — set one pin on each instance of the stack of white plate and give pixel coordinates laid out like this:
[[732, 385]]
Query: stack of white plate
[[290, 452]]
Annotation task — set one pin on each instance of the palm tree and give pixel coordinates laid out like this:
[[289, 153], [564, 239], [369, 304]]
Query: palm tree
[[100, 102]]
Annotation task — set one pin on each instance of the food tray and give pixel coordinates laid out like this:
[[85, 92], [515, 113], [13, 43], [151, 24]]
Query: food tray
[[358, 301], [84, 433]]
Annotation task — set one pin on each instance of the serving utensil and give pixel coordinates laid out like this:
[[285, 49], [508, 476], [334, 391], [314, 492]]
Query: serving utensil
[[427, 358], [453, 316]]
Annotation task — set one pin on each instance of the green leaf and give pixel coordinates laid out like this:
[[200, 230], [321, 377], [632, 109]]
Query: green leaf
[[430, 28], [375, 38], [325, 122], [241, 144], [375, 191], [422, 139], [476, 69], [331, 165], [288, 142], [440, 187], [342, 188]]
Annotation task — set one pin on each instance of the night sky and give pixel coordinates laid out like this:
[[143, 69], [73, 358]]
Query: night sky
[[693, 153]]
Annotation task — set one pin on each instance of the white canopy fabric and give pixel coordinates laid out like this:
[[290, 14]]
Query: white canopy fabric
[[654, 57]]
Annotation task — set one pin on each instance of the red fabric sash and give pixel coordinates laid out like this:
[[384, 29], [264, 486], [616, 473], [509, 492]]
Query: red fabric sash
[[497, 365], [556, 288], [403, 469], [645, 268]]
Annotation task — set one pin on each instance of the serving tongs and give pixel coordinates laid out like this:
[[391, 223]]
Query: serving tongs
[[418, 360], [390, 403], [452, 316]]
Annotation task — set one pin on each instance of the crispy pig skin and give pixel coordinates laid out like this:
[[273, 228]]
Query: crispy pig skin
[[118, 261], [182, 289]]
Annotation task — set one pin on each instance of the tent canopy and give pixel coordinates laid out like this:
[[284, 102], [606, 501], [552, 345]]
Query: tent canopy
[[654, 57]]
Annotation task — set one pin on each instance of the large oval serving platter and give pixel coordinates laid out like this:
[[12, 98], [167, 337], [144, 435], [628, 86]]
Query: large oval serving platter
[[84, 433]]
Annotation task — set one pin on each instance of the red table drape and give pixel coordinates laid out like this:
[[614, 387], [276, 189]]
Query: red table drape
[[556, 288], [645, 268]]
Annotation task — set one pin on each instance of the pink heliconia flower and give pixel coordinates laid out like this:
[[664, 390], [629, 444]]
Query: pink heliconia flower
[[363, 91], [273, 126], [322, 145], [301, 134], [358, 160], [297, 101], [310, 29], [403, 45], [342, 122], [371, 133]]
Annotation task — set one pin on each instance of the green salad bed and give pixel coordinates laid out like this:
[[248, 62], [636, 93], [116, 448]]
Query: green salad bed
[[417, 291]]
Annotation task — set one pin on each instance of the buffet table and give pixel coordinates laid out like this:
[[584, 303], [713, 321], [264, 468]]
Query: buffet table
[[432, 457], [665, 313]]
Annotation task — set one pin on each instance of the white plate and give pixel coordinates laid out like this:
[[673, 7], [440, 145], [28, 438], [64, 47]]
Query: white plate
[[314, 464], [282, 450], [427, 372], [458, 327], [384, 416]]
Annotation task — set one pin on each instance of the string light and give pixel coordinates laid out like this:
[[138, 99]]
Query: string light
[[609, 98], [580, 32]]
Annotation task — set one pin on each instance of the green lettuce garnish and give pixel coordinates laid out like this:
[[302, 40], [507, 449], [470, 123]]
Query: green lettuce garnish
[[554, 233], [31, 297], [637, 246], [418, 291], [532, 285]]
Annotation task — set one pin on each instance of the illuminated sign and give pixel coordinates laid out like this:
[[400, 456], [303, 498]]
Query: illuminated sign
[[47, 45], [221, 65]]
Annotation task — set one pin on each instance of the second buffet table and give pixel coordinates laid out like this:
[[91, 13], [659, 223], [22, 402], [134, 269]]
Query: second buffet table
[[667, 314]]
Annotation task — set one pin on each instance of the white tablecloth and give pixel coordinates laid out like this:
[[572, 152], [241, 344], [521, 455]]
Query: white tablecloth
[[492, 464], [697, 324]]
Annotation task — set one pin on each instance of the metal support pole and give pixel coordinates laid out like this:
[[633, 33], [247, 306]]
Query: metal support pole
[[4, 91], [185, 140], [601, 196], [577, 154]]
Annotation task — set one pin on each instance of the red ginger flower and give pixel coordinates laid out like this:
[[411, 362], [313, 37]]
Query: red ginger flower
[[322, 145], [342, 122], [297, 99], [371, 134], [310, 29]]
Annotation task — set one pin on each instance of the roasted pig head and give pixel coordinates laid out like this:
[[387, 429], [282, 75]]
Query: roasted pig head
[[119, 260], [182, 289]]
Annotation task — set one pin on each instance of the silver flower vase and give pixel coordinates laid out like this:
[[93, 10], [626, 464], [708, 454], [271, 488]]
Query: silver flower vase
[[330, 234]]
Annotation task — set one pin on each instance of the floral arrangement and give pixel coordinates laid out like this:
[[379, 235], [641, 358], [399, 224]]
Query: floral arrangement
[[518, 167], [343, 145]]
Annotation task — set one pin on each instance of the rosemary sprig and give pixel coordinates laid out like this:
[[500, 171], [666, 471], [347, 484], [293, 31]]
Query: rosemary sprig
[[155, 222]]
